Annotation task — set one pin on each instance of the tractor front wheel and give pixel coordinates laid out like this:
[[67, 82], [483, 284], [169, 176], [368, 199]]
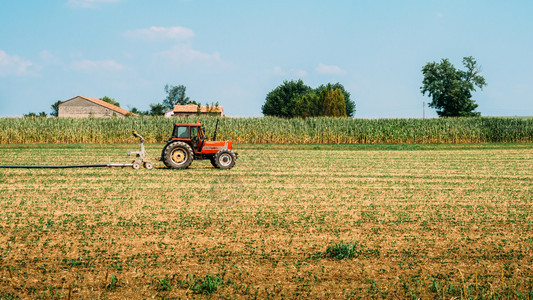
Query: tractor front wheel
[[177, 155], [225, 159]]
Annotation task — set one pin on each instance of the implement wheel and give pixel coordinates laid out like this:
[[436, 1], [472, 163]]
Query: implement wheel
[[177, 155], [225, 159]]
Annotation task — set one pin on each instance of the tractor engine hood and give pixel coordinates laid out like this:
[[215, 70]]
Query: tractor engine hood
[[215, 146]]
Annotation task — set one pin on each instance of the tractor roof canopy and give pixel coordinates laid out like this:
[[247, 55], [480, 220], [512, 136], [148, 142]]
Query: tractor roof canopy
[[191, 125]]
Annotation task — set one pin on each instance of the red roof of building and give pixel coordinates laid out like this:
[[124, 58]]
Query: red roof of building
[[193, 108]]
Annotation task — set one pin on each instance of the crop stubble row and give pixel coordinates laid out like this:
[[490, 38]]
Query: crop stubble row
[[429, 223]]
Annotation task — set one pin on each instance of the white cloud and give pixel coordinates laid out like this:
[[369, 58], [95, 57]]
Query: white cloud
[[48, 57], [300, 73], [155, 33], [86, 65], [12, 64], [184, 54], [278, 71], [89, 3], [329, 70]]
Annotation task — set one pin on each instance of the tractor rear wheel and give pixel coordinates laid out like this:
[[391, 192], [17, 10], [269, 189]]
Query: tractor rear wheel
[[225, 159], [177, 155]]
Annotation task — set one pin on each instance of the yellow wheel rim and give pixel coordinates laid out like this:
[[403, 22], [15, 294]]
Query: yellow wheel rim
[[178, 156]]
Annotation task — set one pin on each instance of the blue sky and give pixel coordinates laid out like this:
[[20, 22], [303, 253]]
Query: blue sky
[[235, 52]]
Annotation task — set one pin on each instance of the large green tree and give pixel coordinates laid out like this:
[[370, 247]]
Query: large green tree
[[349, 104], [334, 104], [281, 101], [175, 95], [451, 89], [321, 103], [308, 105]]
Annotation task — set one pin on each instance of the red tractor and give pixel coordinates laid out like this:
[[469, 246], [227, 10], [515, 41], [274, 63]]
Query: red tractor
[[188, 142]]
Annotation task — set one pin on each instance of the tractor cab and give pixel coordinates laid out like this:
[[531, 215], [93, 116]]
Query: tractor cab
[[193, 134]]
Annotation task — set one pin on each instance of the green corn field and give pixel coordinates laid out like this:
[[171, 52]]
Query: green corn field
[[272, 130]]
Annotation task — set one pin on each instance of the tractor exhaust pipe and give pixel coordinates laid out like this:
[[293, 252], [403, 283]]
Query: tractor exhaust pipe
[[215, 134]]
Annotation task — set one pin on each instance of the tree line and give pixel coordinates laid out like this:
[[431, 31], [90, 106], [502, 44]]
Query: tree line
[[450, 90]]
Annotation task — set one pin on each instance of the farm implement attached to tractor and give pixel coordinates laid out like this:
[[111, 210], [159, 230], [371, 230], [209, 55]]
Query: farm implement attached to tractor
[[136, 164]]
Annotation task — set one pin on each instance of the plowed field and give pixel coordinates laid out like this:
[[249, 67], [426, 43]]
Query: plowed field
[[439, 223]]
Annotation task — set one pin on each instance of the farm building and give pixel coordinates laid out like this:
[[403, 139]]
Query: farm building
[[79, 107], [192, 110]]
